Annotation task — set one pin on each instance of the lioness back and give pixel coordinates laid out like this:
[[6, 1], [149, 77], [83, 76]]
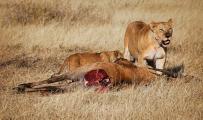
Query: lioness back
[[80, 59]]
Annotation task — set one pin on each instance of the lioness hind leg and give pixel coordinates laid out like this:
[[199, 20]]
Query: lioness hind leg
[[59, 72], [62, 67]]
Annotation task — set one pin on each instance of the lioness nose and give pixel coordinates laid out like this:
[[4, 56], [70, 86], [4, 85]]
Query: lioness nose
[[168, 34]]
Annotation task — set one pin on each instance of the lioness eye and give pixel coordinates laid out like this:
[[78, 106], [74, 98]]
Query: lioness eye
[[161, 30]]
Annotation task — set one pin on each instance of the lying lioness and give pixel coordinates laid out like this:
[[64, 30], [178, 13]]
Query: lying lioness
[[80, 59], [103, 74]]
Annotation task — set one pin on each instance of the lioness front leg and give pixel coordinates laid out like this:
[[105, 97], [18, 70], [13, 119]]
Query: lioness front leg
[[141, 62], [127, 54], [160, 64]]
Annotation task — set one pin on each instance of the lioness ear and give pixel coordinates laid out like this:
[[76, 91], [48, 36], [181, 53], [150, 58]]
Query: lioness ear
[[152, 25], [170, 21]]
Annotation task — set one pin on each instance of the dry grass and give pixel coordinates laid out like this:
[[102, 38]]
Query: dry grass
[[36, 36]]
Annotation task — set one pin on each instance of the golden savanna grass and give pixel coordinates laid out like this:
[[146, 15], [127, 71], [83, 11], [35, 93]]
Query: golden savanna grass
[[37, 35]]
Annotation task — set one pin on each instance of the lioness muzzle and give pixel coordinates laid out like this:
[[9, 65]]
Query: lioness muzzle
[[166, 42]]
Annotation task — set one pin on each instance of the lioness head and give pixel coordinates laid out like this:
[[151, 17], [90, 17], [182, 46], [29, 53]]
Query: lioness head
[[162, 31], [111, 56]]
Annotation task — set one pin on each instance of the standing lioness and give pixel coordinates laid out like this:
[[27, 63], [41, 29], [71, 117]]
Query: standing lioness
[[80, 59], [144, 42]]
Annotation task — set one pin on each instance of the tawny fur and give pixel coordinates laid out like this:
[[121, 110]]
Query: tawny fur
[[119, 72], [122, 71], [144, 42], [80, 59]]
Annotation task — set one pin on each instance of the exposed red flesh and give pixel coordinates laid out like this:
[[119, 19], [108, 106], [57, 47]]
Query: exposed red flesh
[[97, 78]]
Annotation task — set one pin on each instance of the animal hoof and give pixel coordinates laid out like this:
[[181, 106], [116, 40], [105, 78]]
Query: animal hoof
[[25, 85], [54, 75], [175, 75], [22, 87]]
